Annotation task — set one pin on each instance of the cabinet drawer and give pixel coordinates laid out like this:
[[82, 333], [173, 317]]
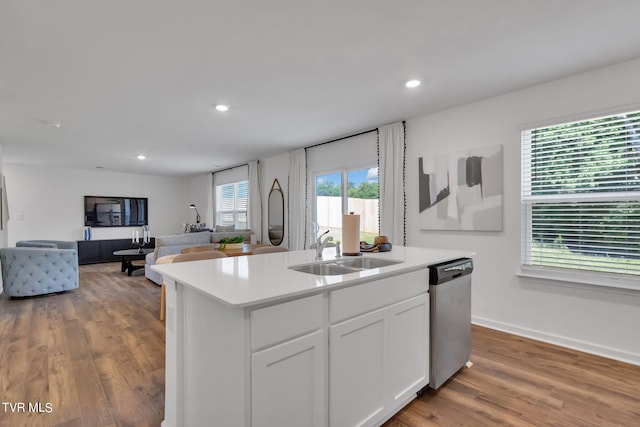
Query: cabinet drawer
[[281, 322], [355, 300]]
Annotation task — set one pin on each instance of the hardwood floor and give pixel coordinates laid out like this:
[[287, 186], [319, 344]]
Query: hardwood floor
[[95, 357], [516, 381], [90, 357]]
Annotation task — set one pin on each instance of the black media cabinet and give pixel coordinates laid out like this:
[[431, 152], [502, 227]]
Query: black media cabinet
[[95, 251]]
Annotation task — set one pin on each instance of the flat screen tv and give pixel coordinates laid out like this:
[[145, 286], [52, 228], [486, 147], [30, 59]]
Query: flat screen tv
[[115, 211]]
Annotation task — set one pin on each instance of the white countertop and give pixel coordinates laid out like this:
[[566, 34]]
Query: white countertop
[[245, 281]]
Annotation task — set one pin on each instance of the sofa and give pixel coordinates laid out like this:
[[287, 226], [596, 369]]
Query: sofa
[[174, 244], [39, 267]]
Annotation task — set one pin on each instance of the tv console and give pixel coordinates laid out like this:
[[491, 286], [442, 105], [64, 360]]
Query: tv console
[[97, 251]]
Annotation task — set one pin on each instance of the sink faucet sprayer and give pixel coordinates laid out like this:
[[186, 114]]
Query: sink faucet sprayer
[[320, 244]]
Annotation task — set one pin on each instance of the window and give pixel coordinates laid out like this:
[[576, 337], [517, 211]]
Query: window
[[581, 195], [231, 204], [345, 191]]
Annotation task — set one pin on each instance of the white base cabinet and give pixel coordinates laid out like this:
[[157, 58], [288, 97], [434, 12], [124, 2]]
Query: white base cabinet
[[409, 350], [288, 383], [377, 362], [346, 357], [358, 369]]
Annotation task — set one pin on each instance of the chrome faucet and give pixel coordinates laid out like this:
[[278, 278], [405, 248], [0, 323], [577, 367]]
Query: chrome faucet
[[320, 244]]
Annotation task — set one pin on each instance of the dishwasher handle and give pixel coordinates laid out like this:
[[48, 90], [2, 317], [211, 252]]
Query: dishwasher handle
[[450, 270]]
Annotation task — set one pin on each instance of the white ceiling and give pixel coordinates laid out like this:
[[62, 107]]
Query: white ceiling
[[141, 77]]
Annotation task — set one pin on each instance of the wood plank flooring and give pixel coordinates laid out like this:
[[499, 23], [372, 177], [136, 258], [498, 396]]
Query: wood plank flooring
[[90, 357], [516, 381], [96, 356]]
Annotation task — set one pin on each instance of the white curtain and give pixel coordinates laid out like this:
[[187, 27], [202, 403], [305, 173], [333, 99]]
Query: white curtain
[[392, 182], [254, 210], [297, 188], [211, 204]]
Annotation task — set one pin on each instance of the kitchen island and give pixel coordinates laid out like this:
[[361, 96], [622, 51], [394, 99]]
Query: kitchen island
[[251, 341]]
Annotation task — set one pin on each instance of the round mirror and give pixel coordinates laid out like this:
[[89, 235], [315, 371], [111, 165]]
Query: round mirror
[[276, 214]]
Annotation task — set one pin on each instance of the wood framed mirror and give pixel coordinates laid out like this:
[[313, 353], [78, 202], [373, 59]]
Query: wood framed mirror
[[275, 218]]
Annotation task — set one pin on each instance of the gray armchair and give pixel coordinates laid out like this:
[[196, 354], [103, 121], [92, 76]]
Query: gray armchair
[[39, 267]]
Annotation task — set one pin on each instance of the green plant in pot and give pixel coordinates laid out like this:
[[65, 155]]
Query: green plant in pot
[[222, 244]]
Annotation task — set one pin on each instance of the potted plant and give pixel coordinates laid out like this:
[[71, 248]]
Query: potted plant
[[231, 242]]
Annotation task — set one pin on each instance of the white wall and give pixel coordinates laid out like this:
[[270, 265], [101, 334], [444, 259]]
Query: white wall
[[601, 321], [48, 203], [201, 195]]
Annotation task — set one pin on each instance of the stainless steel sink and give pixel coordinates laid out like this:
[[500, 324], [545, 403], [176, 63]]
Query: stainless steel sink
[[323, 269], [367, 263], [343, 266]]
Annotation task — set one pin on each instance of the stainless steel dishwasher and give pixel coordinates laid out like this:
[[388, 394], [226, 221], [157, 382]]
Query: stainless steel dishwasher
[[450, 315]]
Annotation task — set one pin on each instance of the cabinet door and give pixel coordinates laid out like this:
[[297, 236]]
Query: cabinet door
[[288, 386], [357, 369], [409, 349], [88, 251], [108, 247]]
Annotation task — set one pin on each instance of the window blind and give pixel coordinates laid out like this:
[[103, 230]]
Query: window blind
[[581, 195], [231, 204]]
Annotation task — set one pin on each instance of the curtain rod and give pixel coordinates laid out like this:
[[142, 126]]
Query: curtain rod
[[342, 137], [230, 168]]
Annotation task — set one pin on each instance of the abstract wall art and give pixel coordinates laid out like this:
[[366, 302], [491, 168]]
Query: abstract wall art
[[462, 190]]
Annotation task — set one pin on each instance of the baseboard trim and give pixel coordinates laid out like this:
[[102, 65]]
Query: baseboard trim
[[563, 341]]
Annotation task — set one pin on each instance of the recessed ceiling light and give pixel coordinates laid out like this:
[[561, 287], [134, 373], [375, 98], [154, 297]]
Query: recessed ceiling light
[[54, 124], [412, 83], [141, 157], [222, 107]]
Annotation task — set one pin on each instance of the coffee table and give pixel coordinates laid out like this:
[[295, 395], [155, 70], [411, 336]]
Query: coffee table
[[129, 255]]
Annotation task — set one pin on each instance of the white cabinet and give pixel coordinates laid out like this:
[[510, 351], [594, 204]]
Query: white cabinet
[[358, 357], [290, 375], [409, 349], [342, 357], [380, 359], [288, 364]]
